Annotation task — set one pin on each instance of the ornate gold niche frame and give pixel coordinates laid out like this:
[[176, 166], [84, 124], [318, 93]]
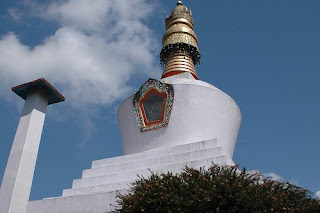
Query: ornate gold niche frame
[[152, 105]]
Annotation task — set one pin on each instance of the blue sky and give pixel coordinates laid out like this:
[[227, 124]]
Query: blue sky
[[264, 54]]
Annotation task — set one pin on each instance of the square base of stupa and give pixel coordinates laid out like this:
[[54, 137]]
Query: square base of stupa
[[96, 191]]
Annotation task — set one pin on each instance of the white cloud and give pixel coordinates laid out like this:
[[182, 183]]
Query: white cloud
[[273, 176], [318, 195], [91, 57], [96, 14]]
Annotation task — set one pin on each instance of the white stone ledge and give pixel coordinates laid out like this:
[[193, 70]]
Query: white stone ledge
[[146, 163], [161, 152], [93, 203], [129, 175], [120, 186]]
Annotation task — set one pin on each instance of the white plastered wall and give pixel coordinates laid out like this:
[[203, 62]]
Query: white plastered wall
[[200, 112]]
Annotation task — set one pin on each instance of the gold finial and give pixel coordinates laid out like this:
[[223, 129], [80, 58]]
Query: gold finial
[[180, 52]]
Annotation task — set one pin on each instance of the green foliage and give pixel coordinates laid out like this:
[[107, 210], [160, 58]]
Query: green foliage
[[217, 189]]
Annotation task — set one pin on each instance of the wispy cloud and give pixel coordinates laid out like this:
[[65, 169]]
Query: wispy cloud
[[273, 176], [277, 177], [15, 14], [98, 47], [91, 57]]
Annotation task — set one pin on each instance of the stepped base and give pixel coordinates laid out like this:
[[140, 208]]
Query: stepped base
[[93, 203], [96, 190]]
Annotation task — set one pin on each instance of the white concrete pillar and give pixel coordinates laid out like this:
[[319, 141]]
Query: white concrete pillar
[[17, 180]]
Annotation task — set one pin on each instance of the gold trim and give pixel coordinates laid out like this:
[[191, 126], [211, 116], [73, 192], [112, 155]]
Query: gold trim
[[171, 22], [179, 29], [180, 50], [184, 69]]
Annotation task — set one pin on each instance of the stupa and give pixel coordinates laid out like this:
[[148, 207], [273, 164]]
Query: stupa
[[167, 124], [179, 109]]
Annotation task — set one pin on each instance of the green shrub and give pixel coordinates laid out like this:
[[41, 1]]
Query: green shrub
[[217, 189]]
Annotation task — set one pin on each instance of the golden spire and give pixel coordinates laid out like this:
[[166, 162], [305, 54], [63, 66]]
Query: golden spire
[[180, 51]]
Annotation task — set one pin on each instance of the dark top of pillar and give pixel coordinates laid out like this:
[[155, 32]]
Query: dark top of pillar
[[54, 96]]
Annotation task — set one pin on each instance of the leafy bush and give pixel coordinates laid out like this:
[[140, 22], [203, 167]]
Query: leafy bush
[[217, 189]]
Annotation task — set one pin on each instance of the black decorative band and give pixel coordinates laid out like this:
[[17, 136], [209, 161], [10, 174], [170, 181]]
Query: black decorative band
[[183, 47]]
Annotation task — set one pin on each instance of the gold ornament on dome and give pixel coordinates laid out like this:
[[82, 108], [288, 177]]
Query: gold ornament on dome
[[180, 40]]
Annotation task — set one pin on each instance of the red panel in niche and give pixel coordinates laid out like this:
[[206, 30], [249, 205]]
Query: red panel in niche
[[153, 106]]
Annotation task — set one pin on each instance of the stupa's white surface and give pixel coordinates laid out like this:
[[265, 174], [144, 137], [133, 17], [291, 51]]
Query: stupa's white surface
[[200, 112]]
